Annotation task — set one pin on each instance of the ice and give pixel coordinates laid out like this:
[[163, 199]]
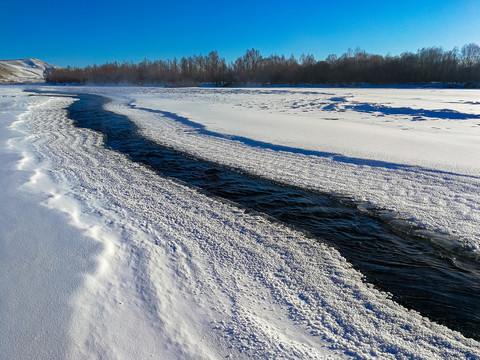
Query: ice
[[146, 267]]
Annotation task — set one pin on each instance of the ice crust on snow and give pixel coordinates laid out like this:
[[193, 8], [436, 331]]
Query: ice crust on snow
[[181, 275]]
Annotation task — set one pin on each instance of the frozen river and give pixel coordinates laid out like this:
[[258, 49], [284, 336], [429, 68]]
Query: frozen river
[[195, 276]]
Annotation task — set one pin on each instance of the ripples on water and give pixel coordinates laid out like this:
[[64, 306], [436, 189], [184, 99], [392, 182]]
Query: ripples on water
[[441, 284]]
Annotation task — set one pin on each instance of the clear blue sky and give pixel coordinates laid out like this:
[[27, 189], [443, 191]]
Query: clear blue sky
[[81, 33]]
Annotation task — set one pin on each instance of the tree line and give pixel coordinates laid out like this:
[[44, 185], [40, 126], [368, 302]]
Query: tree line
[[457, 66]]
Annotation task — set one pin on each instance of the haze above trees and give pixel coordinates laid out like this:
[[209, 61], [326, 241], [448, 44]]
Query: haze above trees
[[353, 67]]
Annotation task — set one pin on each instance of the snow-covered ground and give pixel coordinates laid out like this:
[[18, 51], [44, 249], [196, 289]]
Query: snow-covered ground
[[119, 263]]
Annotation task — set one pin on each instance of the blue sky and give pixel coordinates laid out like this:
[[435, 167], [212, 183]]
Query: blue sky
[[94, 32]]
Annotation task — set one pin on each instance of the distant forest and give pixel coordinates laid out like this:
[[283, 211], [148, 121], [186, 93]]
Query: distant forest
[[457, 66]]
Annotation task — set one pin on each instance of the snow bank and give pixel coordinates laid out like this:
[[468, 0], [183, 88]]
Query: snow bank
[[43, 259]]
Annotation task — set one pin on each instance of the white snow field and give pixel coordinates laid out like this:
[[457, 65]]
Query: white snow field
[[101, 258]]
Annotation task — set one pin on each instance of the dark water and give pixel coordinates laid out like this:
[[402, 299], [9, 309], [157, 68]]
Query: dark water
[[441, 282]]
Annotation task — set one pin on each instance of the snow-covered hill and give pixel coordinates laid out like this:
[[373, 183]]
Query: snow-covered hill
[[22, 71]]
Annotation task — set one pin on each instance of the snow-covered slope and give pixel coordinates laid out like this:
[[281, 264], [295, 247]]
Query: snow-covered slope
[[22, 71]]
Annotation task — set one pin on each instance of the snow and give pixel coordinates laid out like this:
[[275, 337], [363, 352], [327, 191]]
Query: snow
[[426, 170], [42, 257], [23, 71], [295, 118], [133, 265]]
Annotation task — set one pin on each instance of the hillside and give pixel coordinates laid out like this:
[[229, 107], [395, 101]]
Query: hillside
[[23, 71]]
